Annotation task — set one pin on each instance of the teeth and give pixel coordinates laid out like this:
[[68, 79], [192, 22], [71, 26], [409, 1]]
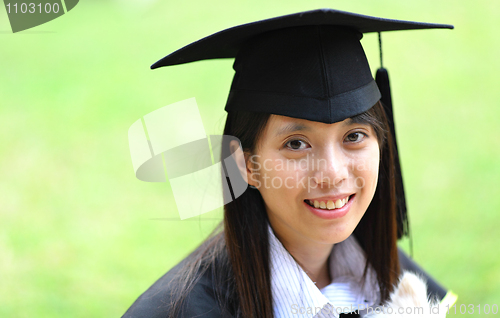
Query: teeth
[[328, 205], [339, 203]]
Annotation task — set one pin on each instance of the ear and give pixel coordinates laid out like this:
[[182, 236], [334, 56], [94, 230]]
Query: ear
[[242, 162]]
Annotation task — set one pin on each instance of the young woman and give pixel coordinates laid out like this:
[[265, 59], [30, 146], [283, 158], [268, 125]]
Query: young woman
[[317, 228]]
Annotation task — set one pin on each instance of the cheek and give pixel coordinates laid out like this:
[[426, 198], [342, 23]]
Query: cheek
[[280, 187], [281, 180], [271, 175], [366, 168]]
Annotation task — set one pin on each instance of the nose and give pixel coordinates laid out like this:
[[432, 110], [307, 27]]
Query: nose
[[331, 167]]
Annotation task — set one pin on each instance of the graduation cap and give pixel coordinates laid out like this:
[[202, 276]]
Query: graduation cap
[[307, 65]]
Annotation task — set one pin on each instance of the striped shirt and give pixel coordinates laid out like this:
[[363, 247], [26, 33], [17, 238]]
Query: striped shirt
[[296, 295]]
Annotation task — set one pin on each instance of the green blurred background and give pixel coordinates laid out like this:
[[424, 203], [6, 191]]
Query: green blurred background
[[80, 236]]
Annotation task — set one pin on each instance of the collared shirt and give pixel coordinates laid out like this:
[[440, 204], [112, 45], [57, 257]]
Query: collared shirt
[[296, 295]]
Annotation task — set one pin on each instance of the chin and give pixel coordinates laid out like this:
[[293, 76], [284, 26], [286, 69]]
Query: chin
[[336, 235]]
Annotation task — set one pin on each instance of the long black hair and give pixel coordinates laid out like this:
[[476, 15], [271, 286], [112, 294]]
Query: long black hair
[[237, 252]]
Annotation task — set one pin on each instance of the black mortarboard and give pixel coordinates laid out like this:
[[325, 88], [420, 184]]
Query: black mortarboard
[[308, 65]]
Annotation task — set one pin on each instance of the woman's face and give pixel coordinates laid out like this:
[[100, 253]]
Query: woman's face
[[333, 167]]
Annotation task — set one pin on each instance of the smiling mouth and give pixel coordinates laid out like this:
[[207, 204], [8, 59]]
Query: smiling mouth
[[330, 204]]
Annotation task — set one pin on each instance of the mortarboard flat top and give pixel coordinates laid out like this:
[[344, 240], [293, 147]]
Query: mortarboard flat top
[[226, 43]]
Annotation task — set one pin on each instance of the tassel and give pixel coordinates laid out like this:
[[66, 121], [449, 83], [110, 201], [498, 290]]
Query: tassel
[[382, 80]]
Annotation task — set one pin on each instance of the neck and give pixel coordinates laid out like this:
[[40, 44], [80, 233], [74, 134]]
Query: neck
[[312, 257]]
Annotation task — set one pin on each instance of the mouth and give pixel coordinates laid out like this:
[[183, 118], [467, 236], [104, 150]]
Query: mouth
[[329, 204]]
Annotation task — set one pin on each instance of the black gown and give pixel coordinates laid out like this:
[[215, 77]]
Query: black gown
[[202, 302]]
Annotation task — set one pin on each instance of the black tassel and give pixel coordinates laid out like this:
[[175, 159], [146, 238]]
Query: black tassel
[[382, 79]]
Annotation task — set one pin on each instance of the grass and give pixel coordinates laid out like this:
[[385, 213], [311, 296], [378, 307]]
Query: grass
[[81, 237]]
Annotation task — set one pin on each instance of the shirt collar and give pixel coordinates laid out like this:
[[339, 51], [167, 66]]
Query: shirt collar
[[296, 295]]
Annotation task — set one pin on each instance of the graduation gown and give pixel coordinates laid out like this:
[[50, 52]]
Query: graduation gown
[[202, 301]]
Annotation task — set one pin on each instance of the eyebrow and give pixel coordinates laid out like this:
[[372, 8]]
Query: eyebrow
[[290, 128], [293, 127], [349, 121]]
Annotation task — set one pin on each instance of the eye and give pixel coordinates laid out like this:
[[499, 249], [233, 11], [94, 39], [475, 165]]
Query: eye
[[296, 144], [355, 137]]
